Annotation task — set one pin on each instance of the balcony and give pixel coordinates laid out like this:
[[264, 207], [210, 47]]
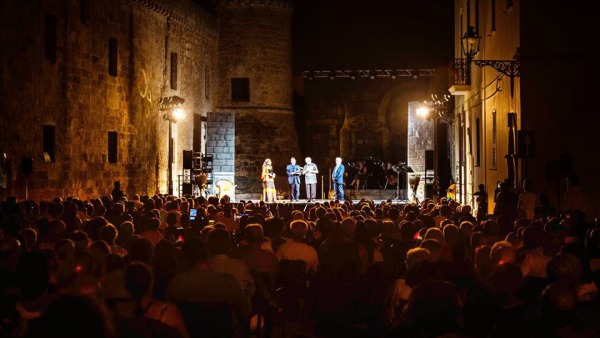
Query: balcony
[[459, 77]]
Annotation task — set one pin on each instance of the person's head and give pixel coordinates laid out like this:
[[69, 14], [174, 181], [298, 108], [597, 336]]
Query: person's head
[[533, 237], [76, 316], [253, 233], [138, 280], [218, 242], [482, 260], [416, 255], [308, 160], [434, 233], [434, 247], [451, 181], [503, 253], [481, 187], [194, 251], [338, 160], [108, 233], [140, 250], [347, 228], [506, 279], [293, 160], [298, 230], [558, 306], [117, 185], [433, 308]]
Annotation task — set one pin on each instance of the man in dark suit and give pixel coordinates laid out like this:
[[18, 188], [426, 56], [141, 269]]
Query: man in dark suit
[[337, 176], [293, 171]]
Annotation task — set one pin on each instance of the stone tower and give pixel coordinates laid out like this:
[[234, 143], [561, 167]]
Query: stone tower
[[255, 83]]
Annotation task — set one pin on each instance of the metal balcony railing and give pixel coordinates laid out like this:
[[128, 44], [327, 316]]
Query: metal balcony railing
[[459, 72]]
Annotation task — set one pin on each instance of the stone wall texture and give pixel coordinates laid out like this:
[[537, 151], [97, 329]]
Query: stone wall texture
[[77, 95], [220, 144], [255, 43]]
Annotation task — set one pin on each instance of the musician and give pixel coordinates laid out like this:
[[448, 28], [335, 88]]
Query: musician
[[337, 176], [310, 172], [294, 171], [361, 174], [391, 175], [269, 193]]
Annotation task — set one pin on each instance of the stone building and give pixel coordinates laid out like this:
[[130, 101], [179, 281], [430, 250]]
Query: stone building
[[542, 125], [255, 83], [81, 80]]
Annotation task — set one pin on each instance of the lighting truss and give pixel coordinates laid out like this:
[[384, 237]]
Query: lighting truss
[[367, 74]]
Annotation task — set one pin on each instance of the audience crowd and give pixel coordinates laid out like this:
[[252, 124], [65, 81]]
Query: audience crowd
[[140, 266]]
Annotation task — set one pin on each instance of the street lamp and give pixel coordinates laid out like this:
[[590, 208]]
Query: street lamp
[[172, 112], [470, 46]]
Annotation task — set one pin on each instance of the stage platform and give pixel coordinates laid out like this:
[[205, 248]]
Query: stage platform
[[354, 195]]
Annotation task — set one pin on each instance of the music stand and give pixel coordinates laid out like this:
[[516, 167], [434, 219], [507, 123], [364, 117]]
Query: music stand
[[404, 169]]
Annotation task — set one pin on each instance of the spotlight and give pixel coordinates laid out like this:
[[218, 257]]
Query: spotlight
[[353, 77], [372, 77], [332, 77], [423, 112], [393, 77], [415, 76]]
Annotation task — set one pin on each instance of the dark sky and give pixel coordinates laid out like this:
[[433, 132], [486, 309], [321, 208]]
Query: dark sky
[[371, 34]]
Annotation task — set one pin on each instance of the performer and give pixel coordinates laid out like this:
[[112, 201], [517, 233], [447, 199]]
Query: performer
[[294, 171], [269, 193], [361, 174], [310, 172], [337, 176]]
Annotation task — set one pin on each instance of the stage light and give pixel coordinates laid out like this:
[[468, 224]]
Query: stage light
[[423, 112]]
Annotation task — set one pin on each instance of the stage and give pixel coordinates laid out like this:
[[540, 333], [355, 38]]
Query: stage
[[375, 195]]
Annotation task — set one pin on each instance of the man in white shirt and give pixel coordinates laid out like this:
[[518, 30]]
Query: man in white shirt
[[297, 249]]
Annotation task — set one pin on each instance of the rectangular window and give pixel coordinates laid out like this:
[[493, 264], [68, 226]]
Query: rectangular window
[[113, 60], [50, 38], [478, 142], [173, 70], [112, 147], [207, 82], [84, 11], [240, 89], [493, 5], [49, 143], [494, 140]]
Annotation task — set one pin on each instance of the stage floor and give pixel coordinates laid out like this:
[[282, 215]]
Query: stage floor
[[376, 195]]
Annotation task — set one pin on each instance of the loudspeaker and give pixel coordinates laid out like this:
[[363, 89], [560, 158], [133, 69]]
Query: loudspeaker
[[188, 161], [428, 159], [186, 189], [27, 166]]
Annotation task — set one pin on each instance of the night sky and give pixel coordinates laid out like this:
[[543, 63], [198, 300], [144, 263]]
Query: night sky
[[371, 34]]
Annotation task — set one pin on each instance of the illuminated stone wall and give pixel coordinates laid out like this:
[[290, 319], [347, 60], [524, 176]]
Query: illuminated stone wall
[[255, 43], [77, 95]]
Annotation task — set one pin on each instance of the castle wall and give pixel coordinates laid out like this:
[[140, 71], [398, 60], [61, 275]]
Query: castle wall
[[255, 43], [77, 94]]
